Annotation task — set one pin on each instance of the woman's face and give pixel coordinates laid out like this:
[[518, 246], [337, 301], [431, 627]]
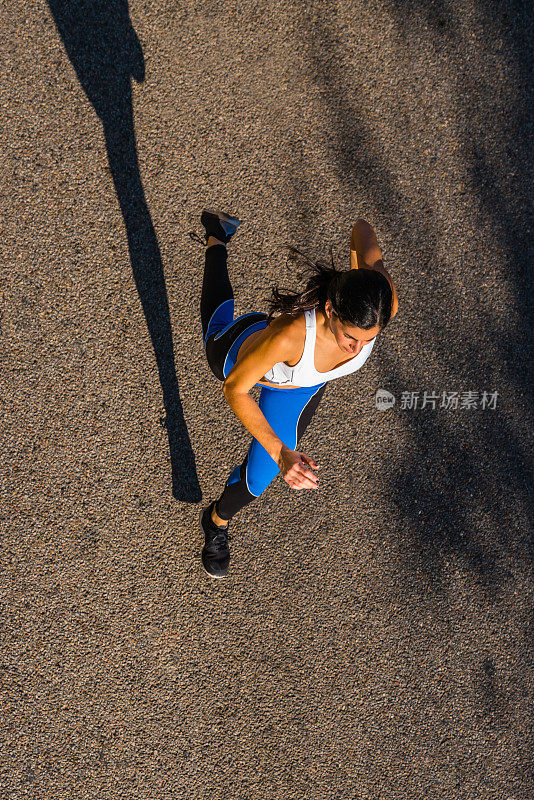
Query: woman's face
[[349, 338]]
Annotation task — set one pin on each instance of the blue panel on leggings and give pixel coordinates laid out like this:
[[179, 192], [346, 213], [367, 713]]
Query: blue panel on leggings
[[234, 349], [282, 409], [222, 318], [235, 476]]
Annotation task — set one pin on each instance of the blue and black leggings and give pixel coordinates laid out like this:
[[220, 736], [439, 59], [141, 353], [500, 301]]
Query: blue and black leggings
[[288, 411]]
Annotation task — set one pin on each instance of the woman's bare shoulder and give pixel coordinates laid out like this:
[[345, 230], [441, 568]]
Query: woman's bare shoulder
[[289, 322], [294, 326]]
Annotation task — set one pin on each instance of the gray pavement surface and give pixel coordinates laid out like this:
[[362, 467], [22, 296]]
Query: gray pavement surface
[[371, 642]]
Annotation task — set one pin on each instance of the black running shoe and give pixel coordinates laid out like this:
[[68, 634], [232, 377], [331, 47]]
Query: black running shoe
[[219, 224], [215, 553]]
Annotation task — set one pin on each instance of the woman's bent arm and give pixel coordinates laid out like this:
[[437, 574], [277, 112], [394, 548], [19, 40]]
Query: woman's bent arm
[[365, 253], [364, 248], [248, 411], [275, 343]]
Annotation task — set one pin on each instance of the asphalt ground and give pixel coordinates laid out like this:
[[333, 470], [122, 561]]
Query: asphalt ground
[[373, 641]]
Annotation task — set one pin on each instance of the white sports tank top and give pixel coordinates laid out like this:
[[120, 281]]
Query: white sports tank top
[[304, 373]]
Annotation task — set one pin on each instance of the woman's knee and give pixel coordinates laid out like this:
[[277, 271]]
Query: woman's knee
[[259, 469], [257, 485]]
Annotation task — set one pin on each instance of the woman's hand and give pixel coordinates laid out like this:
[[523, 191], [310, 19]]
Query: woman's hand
[[294, 468]]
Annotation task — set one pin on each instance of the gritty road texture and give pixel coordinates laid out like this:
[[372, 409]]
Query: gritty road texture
[[374, 641]]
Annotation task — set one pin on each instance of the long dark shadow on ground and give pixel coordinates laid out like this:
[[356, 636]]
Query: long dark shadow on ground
[[104, 49], [440, 482]]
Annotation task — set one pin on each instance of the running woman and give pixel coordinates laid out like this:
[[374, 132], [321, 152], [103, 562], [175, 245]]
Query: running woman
[[326, 331]]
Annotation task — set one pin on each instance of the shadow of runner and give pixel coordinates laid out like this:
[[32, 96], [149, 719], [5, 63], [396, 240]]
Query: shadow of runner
[[104, 49]]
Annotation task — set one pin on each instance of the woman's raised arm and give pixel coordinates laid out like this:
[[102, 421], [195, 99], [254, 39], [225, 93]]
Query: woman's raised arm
[[365, 253]]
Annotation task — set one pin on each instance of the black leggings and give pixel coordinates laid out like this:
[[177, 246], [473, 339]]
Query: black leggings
[[288, 411]]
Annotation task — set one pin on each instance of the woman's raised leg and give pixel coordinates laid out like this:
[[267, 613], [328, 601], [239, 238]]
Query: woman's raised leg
[[217, 298]]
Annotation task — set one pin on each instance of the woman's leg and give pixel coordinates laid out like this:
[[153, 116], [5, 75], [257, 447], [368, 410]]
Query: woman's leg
[[221, 334], [217, 299], [219, 329], [288, 412]]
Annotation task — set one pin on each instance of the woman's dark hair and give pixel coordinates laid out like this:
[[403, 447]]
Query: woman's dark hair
[[359, 297]]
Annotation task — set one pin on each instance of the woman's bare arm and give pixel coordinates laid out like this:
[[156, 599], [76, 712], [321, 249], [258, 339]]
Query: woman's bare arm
[[365, 253], [276, 343], [364, 249]]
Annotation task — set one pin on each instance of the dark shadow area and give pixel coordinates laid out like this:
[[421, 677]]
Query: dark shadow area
[[490, 697], [104, 49], [442, 484]]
